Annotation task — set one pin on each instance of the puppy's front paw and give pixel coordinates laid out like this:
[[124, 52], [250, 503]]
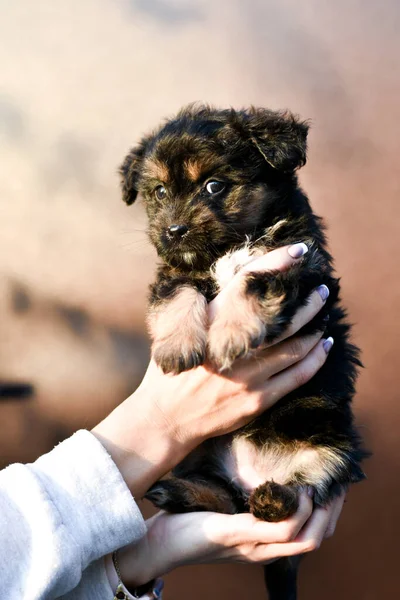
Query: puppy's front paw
[[179, 330], [177, 353], [229, 339]]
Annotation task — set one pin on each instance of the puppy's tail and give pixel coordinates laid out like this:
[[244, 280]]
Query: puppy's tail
[[281, 578]]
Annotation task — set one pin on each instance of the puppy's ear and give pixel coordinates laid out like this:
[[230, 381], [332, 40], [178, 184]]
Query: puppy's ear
[[280, 137], [130, 171]]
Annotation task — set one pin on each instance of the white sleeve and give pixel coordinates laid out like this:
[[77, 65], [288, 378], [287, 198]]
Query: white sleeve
[[61, 514], [100, 581]]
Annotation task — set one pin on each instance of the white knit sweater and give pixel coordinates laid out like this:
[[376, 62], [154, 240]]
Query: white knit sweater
[[59, 517]]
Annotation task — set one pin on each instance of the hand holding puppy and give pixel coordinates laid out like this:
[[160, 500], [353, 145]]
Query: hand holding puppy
[[169, 415], [203, 538]]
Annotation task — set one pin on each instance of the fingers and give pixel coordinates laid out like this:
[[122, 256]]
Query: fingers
[[289, 529], [335, 509], [261, 532], [294, 377], [309, 539], [276, 260], [313, 533], [304, 315], [321, 525], [273, 360], [243, 538]]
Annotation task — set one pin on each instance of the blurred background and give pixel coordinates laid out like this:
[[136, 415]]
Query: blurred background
[[80, 82]]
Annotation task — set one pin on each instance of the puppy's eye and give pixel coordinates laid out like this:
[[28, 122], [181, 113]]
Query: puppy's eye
[[160, 192], [215, 187]]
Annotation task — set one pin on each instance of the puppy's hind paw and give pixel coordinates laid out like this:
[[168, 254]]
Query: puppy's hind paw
[[163, 495], [181, 496], [274, 502]]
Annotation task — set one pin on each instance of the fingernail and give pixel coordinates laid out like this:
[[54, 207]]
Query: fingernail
[[323, 291], [326, 318], [328, 343], [298, 250], [310, 491]]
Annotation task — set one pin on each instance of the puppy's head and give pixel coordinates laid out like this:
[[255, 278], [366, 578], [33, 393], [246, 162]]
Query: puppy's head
[[212, 178]]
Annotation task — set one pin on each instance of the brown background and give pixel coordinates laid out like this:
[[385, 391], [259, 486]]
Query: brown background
[[79, 83]]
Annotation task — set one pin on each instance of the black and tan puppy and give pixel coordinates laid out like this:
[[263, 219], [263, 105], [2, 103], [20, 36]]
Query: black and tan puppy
[[220, 187]]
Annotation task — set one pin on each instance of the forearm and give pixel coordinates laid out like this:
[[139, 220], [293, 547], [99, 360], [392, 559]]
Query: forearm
[[140, 441]]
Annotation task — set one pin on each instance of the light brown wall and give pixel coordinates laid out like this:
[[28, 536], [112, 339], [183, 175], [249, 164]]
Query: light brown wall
[[80, 81]]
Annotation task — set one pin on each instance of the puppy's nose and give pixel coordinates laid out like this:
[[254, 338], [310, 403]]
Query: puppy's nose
[[177, 231]]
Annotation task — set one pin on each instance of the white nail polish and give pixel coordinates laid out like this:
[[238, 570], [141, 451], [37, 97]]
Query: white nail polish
[[298, 250]]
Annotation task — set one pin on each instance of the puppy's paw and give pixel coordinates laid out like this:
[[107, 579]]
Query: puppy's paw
[[181, 496], [178, 327], [230, 339], [273, 502], [166, 495], [177, 353]]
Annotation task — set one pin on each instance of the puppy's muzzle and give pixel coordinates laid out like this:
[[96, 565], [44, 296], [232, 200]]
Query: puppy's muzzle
[[176, 232]]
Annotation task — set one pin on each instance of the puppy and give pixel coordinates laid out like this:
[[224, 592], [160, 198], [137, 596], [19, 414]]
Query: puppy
[[220, 188]]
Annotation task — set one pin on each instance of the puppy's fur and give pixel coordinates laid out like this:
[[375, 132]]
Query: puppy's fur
[[220, 188]]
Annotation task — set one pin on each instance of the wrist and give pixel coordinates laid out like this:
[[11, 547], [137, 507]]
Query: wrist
[[149, 589], [139, 442], [153, 556]]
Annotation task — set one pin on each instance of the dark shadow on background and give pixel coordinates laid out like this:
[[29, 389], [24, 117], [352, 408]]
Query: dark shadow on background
[[164, 12], [13, 125], [115, 352]]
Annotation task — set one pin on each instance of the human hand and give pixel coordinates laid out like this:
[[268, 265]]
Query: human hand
[[169, 415], [193, 538]]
